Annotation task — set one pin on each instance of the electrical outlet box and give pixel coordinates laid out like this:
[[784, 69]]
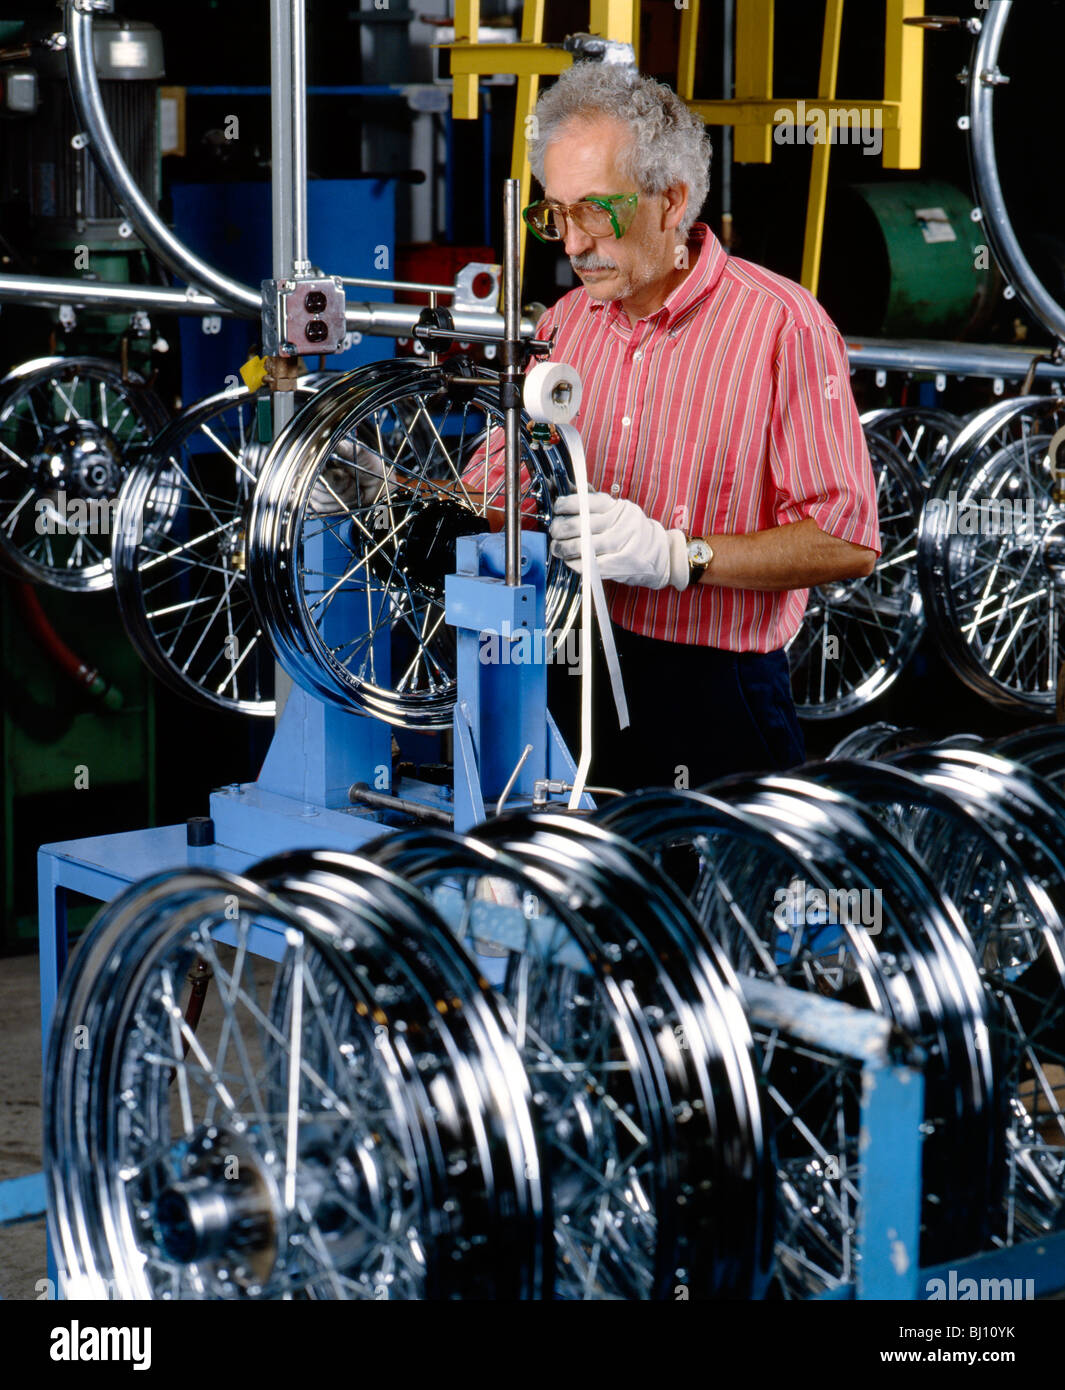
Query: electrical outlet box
[[303, 315]]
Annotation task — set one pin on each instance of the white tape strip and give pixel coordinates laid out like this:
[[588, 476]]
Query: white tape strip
[[552, 394], [591, 589]]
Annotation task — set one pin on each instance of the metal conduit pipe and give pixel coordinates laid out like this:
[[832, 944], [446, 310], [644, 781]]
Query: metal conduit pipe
[[373, 320], [153, 231], [212, 292], [42, 289], [957, 359]]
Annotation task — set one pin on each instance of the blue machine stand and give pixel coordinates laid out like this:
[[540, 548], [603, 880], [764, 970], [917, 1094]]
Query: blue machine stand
[[300, 799], [501, 710]]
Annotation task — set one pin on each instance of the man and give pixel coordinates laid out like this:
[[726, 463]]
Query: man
[[723, 443]]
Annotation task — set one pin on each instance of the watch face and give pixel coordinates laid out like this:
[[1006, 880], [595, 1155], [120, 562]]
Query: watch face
[[699, 553]]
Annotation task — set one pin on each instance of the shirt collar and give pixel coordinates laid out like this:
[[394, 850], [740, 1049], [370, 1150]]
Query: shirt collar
[[710, 258]]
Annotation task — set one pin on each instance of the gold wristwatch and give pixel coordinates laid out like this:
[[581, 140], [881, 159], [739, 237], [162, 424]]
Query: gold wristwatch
[[700, 554]]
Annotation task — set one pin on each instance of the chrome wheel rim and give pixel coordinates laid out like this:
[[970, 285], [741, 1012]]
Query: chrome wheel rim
[[858, 635], [332, 1088], [922, 435], [1003, 871], [351, 590], [68, 427], [180, 557], [991, 556], [748, 855]]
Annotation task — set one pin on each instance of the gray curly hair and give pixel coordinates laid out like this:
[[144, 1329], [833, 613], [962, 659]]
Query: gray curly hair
[[669, 143]]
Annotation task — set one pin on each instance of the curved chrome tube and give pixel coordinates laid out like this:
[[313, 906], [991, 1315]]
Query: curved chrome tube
[[983, 79], [88, 103]]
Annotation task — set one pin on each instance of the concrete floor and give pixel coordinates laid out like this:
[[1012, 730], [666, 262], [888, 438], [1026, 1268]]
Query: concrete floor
[[22, 1247]]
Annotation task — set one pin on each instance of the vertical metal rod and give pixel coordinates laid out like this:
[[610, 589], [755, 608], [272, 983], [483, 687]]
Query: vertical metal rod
[[298, 61], [434, 356], [288, 112], [288, 180], [512, 378], [281, 132]]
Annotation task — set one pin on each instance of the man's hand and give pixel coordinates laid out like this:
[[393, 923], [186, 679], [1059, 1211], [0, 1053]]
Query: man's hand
[[629, 546], [359, 481]]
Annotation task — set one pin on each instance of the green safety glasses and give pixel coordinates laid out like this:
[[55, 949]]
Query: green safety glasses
[[609, 215]]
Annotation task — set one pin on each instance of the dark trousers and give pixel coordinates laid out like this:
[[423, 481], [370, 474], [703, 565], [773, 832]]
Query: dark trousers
[[696, 714]]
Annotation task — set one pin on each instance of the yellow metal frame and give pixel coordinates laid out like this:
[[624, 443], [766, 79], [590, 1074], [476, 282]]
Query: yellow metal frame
[[753, 111], [528, 61]]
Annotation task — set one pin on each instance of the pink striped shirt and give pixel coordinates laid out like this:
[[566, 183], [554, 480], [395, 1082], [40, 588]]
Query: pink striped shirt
[[727, 411]]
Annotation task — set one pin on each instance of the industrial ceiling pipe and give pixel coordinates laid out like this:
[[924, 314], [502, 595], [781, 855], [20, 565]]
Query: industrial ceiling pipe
[[153, 231], [212, 292], [97, 294], [373, 320]]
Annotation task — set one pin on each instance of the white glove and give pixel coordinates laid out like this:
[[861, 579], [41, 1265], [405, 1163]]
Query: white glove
[[629, 546], [357, 482]]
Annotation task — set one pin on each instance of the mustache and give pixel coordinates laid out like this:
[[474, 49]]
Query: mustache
[[588, 260]]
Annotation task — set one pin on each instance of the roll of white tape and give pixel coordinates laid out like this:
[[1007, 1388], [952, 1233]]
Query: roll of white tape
[[552, 393]]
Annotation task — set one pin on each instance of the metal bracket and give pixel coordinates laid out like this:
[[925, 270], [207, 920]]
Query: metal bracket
[[592, 48]]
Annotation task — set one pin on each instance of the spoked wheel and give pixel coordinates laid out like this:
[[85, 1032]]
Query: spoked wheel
[[1042, 750], [67, 425], [180, 557], [354, 525], [922, 434], [812, 894], [651, 1130], [992, 556], [858, 634], [1000, 858], [338, 1127]]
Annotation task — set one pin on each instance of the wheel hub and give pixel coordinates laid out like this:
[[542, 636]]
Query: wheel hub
[[218, 1210], [426, 551], [81, 458], [840, 590], [222, 1206]]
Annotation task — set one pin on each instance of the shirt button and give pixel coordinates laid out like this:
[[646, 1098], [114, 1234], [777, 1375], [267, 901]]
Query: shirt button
[[626, 421], [615, 489], [637, 354]]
